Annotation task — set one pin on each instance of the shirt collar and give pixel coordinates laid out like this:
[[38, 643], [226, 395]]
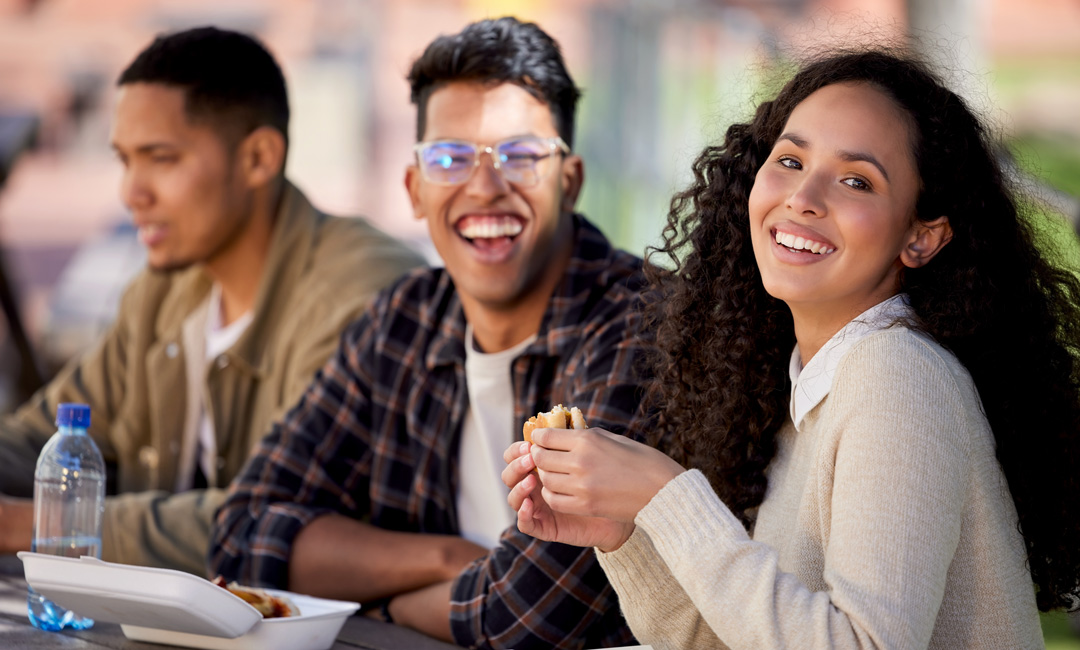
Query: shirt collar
[[811, 384], [594, 262]]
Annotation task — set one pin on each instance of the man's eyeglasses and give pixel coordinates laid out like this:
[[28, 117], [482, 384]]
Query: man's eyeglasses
[[523, 161]]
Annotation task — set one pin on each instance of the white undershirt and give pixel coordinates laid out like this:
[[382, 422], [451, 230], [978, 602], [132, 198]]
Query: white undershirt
[[218, 339], [483, 513], [811, 384]]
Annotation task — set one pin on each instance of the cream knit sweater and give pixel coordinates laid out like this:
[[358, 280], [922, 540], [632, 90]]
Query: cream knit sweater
[[887, 524]]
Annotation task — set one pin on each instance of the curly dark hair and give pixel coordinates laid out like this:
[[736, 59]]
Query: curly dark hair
[[499, 50], [1008, 313]]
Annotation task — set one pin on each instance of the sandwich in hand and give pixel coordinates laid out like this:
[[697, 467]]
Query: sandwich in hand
[[558, 417]]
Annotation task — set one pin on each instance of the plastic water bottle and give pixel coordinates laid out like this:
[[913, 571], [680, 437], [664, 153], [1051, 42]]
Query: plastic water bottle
[[69, 498]]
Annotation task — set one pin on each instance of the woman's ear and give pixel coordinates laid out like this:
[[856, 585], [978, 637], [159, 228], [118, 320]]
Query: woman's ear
[[926, 239]]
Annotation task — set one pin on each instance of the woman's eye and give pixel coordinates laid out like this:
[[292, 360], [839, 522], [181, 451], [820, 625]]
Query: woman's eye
[[790, 163], [857, 183]]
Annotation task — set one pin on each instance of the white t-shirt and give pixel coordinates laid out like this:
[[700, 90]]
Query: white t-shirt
[[217, 339], [483, 513]]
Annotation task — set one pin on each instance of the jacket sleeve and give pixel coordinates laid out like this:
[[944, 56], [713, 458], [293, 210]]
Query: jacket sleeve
[[528, 593], [315, 461], [96, 379], [340, 301], [159, 529]]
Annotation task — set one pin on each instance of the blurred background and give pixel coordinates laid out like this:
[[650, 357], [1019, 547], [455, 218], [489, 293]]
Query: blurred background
[[661, 79]]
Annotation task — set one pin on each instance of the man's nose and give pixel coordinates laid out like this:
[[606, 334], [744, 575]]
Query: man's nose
[[134, 190], [487, 182]]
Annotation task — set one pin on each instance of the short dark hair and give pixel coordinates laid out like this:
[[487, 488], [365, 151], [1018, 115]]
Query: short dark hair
[[503, 50], [229, 79]]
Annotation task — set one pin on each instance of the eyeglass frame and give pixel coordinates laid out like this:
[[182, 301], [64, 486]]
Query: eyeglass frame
[[555, 144]]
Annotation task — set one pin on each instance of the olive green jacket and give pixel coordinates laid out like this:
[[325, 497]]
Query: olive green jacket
[[321, 272]]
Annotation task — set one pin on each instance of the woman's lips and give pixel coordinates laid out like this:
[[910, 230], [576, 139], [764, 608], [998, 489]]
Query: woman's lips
[[804, 242], [799, 249]]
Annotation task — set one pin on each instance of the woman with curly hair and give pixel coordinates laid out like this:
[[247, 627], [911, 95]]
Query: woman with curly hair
[[906, 476]]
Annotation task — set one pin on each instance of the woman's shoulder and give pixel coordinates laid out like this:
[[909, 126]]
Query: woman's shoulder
[[898, 352], [907, 373]]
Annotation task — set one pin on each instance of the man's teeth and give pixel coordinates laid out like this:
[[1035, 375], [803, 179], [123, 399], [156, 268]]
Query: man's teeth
[[491, 229], [798, 243]]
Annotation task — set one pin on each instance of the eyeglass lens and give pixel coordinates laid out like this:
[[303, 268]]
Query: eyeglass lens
[[523, 161]]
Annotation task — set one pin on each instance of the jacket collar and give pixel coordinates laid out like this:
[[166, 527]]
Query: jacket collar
[[592, 256], [294, 235]]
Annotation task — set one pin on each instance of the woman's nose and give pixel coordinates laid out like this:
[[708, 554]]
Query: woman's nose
[[808, 196]]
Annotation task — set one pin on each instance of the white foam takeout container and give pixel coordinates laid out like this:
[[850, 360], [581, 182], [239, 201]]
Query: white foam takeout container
[[173, 607]]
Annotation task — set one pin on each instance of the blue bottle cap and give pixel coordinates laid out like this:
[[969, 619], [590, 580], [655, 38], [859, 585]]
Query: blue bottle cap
[[73, 415]]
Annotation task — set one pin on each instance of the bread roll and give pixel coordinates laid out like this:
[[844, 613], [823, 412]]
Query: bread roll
[[559, 417]]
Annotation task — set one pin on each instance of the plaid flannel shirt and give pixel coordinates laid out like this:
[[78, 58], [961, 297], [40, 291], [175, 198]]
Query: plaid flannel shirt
[[375, 436]]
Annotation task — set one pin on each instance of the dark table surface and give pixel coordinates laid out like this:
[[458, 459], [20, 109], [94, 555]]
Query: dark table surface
[[17, 632]]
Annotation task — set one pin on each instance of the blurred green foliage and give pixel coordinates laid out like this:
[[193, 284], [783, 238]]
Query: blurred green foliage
[[1055, 161], [1057, 632]]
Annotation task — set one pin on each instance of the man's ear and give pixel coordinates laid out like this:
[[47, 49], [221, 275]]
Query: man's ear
[[412, 186], [926, 240], [572, 178], [261, 156]]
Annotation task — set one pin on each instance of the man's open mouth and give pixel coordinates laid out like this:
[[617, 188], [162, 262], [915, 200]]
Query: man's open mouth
[[490, 231]]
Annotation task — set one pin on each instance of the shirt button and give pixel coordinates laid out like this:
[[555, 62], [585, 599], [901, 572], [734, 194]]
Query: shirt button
[[222, 361], [171, 350], [174, 447], [221, 462], [148, 457]]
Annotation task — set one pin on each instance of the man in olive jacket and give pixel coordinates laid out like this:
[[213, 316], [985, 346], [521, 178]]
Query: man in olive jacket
[[247, 291]]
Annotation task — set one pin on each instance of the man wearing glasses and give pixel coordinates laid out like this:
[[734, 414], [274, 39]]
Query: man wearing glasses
[[383, 484]]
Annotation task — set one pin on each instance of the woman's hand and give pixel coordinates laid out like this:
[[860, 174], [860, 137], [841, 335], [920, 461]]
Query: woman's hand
[[594, 473], [536, 518]]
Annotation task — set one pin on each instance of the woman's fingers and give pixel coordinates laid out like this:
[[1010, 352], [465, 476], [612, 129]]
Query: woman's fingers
[[555, 460], [557, 439], [559, 483], [517, 469], [525, 520], [563, 503], [521, 491], [515, 450]]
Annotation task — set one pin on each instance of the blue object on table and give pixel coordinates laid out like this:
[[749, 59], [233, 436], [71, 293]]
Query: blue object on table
[[69, 499]]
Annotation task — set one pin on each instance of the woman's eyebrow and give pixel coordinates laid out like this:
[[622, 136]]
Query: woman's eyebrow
[[847, 156], [794, 139], [855, 156]]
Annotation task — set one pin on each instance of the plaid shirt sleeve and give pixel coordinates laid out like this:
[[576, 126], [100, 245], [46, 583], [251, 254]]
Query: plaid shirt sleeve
[[532, 594], [314, 462]]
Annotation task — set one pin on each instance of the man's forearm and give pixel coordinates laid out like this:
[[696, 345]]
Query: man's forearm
[[16, 524], [426, 610], [338, 557]]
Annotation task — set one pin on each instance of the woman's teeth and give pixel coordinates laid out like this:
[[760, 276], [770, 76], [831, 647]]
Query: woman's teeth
[[801, 244]]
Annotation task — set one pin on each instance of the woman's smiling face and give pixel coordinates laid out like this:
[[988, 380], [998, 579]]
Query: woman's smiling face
[[833, 206]]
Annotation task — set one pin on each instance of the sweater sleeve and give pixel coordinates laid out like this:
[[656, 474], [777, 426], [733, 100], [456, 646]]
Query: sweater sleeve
[[898, 460], [640, 577]]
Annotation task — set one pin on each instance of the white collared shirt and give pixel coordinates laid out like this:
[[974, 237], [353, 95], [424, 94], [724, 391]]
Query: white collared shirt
[[811, 384]]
